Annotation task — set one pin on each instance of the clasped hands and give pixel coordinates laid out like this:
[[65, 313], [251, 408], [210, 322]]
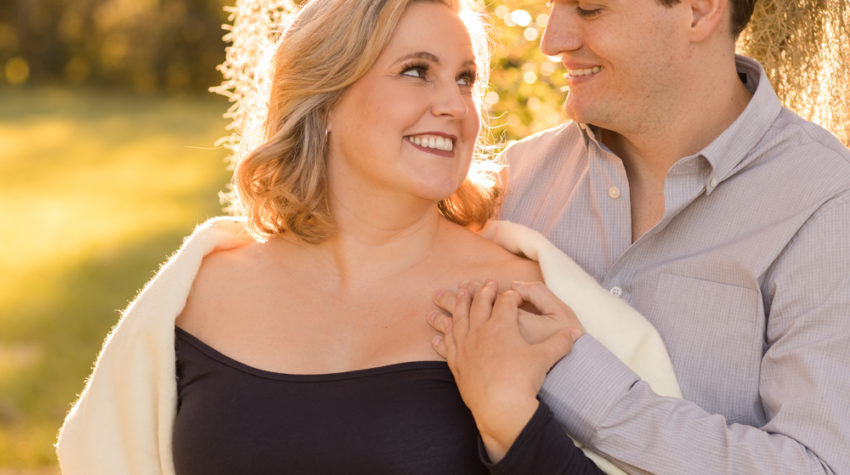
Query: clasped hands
[[499, 346]]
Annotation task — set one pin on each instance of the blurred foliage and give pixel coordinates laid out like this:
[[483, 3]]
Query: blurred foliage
[[143, 45], [96, 190], [526, 86], [174, 45]]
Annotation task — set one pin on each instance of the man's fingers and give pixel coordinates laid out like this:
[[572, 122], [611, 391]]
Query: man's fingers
[[549, 304], [556, 346], [540, 296], [535, 328]]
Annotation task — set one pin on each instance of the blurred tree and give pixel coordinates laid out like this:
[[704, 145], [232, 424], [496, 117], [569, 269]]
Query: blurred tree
[[174, 45], [526, 87], [147, 45]]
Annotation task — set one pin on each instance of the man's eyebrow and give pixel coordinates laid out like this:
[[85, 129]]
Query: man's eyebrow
[[430, 57]]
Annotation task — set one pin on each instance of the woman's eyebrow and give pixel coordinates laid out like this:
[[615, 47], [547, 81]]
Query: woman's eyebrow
[[420, 55], [430, 57]]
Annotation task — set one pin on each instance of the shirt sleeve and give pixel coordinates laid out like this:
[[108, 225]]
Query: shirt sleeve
[[542, 447], [804, 380]]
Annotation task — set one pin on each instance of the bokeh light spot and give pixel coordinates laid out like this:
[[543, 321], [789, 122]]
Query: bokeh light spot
[[521, 17], [17, 70]]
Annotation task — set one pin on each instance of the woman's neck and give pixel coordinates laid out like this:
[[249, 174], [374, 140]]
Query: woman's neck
[[373, 244]]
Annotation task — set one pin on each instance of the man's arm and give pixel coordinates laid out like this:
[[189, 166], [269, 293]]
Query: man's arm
[[804, 380]]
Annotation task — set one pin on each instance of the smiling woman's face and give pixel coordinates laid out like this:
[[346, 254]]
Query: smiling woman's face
[[409, 125]]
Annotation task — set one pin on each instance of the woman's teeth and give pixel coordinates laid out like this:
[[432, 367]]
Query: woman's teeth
[[432, 141]]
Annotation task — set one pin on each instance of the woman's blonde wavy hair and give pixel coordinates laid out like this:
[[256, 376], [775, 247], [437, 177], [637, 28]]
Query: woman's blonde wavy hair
[[282, 185]]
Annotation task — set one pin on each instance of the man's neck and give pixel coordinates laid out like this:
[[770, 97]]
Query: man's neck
[[692, 118], [691, 121]]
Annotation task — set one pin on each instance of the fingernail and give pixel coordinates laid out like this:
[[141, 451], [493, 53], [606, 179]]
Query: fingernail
[[516, 284], [438, 293], [574, 334], [436, 340], [432, 315]]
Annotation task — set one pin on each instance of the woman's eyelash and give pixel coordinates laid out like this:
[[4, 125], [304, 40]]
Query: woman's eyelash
[[419, 68], [468, 77]]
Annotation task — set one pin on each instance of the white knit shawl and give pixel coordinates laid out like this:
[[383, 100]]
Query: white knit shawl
[[122, 422]]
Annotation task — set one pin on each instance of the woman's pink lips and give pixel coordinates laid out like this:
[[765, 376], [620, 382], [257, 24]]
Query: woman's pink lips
[[442, 153]]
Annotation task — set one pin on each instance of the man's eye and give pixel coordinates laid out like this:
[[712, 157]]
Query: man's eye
[[587, 13]]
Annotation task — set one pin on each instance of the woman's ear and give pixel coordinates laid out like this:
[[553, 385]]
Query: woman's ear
[[708, 16]]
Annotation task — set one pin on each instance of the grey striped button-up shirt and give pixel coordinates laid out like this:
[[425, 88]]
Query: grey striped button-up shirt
[[746, 277]]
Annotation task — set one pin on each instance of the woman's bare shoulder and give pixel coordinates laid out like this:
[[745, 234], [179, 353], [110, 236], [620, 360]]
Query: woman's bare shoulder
[[221, 287], [511, 267], [492, 261]]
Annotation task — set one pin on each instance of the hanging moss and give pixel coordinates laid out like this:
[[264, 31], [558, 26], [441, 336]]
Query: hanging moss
[[804, 46]]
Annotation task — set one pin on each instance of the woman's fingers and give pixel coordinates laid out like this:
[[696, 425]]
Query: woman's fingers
[[460, 314], [482, 303], [445, 300], [506, 307], [440, 322], [440, 346]]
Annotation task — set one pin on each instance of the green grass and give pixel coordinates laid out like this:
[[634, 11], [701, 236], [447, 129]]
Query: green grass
[[95, 191]]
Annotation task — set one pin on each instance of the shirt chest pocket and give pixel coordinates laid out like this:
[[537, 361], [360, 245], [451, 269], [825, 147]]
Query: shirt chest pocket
[[713, 331]]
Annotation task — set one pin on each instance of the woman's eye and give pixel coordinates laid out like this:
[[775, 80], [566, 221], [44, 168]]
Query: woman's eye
[[415, 71], [466, 79]]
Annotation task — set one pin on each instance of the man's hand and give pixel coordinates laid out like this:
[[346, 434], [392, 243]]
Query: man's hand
[[541, 315], [497, 371]]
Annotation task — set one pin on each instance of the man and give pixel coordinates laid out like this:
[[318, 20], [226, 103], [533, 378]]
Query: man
[[685, 188]]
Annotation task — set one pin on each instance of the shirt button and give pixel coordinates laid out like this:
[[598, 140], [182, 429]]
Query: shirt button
[[614, 192], [616, 291], [713, 182]]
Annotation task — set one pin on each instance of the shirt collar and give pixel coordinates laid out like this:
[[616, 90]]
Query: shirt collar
[[730, 151]]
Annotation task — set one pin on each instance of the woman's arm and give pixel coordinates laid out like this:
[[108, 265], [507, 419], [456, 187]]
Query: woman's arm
[[491, 378]]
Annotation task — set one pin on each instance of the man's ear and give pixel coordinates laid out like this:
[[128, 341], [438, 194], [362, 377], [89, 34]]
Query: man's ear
[[708, 16]]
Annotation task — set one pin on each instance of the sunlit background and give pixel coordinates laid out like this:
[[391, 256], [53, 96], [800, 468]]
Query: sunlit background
[[107, 159]]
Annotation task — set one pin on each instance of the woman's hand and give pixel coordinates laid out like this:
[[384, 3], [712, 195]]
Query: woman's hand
[[497, 371]]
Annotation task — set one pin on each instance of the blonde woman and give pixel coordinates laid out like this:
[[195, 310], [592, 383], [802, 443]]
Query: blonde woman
[[285, 363]]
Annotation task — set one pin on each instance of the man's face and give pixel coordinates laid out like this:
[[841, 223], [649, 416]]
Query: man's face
[[623, 58]]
